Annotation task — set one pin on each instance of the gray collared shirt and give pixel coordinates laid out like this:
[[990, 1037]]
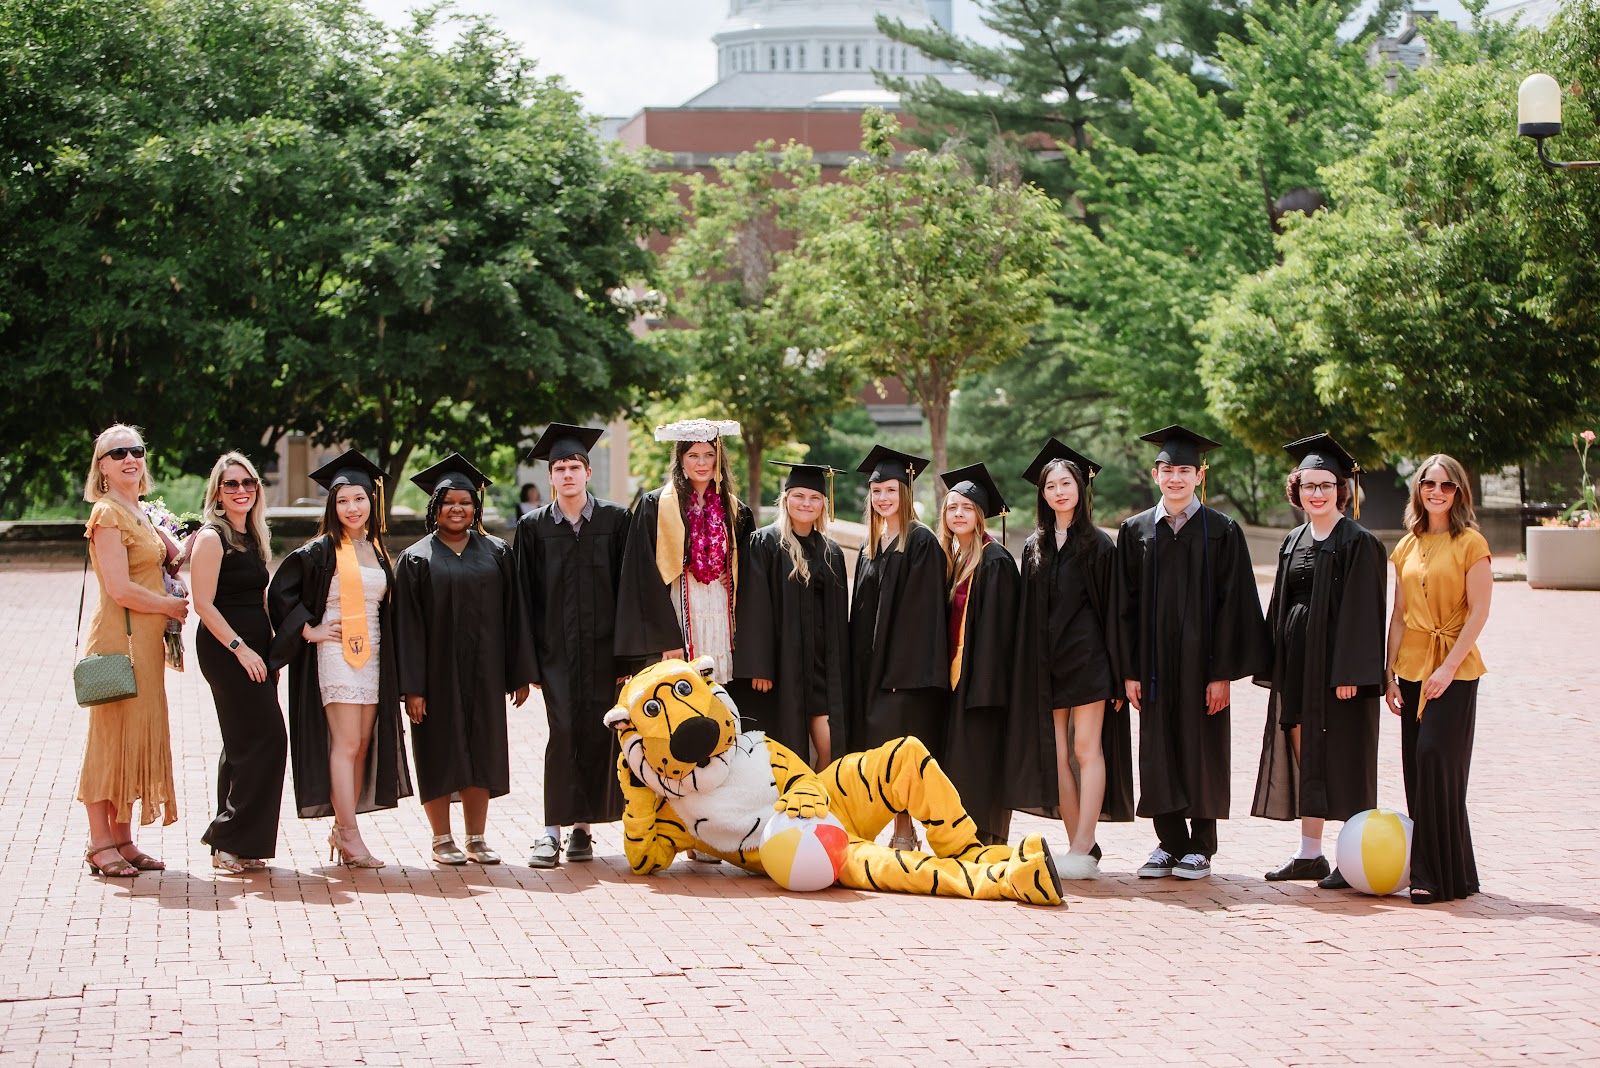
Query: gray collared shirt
[[1182, 517], [583, 516]]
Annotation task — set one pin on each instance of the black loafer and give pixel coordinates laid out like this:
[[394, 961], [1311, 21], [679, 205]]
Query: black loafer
[[1094, 851], [1335, 881], [1299, 870]]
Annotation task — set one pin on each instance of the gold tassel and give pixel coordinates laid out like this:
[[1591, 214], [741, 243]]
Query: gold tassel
[[1204, 467], [831, 473], [483, 495], [1355, 499]]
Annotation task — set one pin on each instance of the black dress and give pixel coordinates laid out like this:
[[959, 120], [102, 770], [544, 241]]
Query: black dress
[[899, 657], [254, 745], [796, 636], [1326, 620], [569, 582], [297, 595], [1066, 655], [979, 719], [460, 643]]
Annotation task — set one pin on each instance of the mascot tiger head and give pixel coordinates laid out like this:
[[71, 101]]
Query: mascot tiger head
[[676, 726]]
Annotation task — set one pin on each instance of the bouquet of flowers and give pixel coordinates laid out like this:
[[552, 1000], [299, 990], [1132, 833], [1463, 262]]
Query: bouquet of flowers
[[1585, 512], [172, 531]]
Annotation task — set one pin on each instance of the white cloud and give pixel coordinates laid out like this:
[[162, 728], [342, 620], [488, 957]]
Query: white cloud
[[620, 55]]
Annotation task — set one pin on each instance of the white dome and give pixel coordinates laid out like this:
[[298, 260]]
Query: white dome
[[817, 36]]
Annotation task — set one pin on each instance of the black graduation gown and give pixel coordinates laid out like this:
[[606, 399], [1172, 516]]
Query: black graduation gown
[[1090, 582], [461, 643], [1337, 774], [569, 584], [899, 657], [979, 719], [786, 631], [1189, 615], [647, 624], [296, 596]]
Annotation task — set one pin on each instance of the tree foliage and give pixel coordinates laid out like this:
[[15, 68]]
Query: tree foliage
[[926, 272], [751, 349]]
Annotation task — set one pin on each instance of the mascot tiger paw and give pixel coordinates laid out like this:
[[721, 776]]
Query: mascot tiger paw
[[692, 779]]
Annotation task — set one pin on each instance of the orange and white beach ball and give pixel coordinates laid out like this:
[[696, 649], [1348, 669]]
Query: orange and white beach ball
[[1374, 851], [802, 852]]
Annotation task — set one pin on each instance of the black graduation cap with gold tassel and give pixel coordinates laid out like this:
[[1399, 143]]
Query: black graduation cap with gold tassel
[[976, 484], [815, 477], [1320, 452], [352, 468], [1182, 447], [454, 472]]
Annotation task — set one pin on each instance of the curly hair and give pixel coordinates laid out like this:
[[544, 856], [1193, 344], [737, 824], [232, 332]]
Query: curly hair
[[435, 502], [1291, 490]]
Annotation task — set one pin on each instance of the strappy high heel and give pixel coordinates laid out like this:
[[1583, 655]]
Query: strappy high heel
[[337, 850], [142, 861], [116, 869]]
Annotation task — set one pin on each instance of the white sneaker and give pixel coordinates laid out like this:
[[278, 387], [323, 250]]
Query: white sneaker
[[1159, 866]]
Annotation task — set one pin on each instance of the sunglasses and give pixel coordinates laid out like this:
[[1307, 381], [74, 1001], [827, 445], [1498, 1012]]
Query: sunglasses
[[1428, 485], [234, 485], [122, 452]]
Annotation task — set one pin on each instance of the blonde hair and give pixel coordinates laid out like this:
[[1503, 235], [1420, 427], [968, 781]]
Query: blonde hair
[[907, 516], [1462, 517], [801, 567], [255, 522], [94, 484], [961, 560]]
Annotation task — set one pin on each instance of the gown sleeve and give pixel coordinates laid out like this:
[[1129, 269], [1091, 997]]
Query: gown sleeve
[[1267, 675], [525, 558], [756, 656], [1129, 567], [1104, 590], [412, 613], [286, 605], [1358, 636], [1239, 646], [522, 660], [919, 654], [647, 626], [992, 633]]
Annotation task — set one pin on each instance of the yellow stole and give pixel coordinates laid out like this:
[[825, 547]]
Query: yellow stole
[[670, 535], [352, 606]]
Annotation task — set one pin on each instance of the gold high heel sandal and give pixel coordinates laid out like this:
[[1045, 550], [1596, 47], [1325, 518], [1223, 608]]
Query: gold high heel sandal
[[119, 868], [336, 848]]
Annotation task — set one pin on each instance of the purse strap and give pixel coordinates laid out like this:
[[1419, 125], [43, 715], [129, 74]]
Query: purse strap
[[77, 634]]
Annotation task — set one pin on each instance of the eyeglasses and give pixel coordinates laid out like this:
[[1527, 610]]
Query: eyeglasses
[[234, 485], [1428, 485], [122, 452], [1322, 488]]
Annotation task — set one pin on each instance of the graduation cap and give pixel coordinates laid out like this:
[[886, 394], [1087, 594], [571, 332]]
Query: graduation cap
[[563, 441], [975, 484], [1319, 452], [453, 472], [1054, 450], [884, 463], [349, 468], [1180, 447], [697, 430], [817, 477]]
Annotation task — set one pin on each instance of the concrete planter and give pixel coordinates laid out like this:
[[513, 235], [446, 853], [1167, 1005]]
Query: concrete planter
[[1564, 558]]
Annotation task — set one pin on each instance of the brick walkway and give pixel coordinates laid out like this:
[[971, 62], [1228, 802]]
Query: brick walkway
[[316, 965]]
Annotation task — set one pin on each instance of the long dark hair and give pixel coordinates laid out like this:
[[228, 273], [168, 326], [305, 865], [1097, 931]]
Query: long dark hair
[[723, 478], [332, 528], [1044, 531]]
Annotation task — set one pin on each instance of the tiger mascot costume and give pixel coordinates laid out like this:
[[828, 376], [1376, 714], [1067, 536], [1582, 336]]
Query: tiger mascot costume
[[692, 780]]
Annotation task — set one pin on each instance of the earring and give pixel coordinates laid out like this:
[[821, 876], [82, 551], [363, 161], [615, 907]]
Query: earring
[[104, 485], [219, 509]]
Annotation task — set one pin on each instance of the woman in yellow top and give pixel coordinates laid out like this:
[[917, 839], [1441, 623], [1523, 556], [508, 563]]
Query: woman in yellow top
[[1441, 602], [128, 754]]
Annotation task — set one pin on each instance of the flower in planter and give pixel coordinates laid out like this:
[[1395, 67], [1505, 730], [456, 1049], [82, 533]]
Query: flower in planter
[[1585, 512]]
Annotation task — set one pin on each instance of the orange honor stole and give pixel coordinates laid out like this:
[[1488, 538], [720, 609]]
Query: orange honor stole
[[352, 606]]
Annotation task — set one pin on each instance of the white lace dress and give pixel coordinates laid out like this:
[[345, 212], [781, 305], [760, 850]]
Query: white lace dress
[[708, 623], [340, 682]]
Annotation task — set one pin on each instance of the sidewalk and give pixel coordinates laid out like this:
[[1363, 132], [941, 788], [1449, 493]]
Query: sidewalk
[[421, 965]]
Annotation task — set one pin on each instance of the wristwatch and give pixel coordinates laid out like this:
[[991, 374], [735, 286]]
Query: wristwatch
[[234, 645]]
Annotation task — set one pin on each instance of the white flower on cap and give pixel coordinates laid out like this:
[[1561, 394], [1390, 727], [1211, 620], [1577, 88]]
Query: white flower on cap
[[697, 430]]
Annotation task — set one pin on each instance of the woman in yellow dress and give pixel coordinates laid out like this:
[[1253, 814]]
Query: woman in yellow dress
[[128, 755]]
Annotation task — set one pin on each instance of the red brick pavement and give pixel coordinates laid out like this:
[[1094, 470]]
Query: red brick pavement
[[413, 964]]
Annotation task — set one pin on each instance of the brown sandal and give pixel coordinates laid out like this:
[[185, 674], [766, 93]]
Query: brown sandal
[[116, 869], [142, 861]]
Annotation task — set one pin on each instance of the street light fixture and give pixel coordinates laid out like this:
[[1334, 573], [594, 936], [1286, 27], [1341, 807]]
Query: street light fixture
[[1539, 116]]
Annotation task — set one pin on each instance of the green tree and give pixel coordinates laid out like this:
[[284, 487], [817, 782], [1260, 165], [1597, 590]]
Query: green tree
[[750, 348], [924, 271], [1448, 303]]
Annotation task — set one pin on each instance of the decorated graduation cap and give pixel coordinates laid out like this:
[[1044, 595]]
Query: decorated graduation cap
[[1180, 446], [349, 468], [1320, 452], [975, 484], [708, 430], [563, 441], [453, 472], [1055, 450], [884, 463]]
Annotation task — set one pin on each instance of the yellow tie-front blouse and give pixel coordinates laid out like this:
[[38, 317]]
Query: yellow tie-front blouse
[[1433, 576]]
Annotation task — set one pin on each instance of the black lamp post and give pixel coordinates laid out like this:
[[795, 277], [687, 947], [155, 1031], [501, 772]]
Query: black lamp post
[[1539, 116]]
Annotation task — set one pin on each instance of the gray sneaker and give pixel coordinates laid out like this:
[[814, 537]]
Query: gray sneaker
[[546, 853], [1159, 866], [1193, 866], [580, 846]]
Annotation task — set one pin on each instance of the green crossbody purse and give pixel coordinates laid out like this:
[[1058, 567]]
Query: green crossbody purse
[[100, 679]]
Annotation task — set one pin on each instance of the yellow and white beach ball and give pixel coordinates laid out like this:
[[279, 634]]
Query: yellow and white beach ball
[[802, 852], [1374, 851]]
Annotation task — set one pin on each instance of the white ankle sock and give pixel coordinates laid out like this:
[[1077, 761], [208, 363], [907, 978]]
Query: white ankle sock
[[553, 832], [1310, 848]]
